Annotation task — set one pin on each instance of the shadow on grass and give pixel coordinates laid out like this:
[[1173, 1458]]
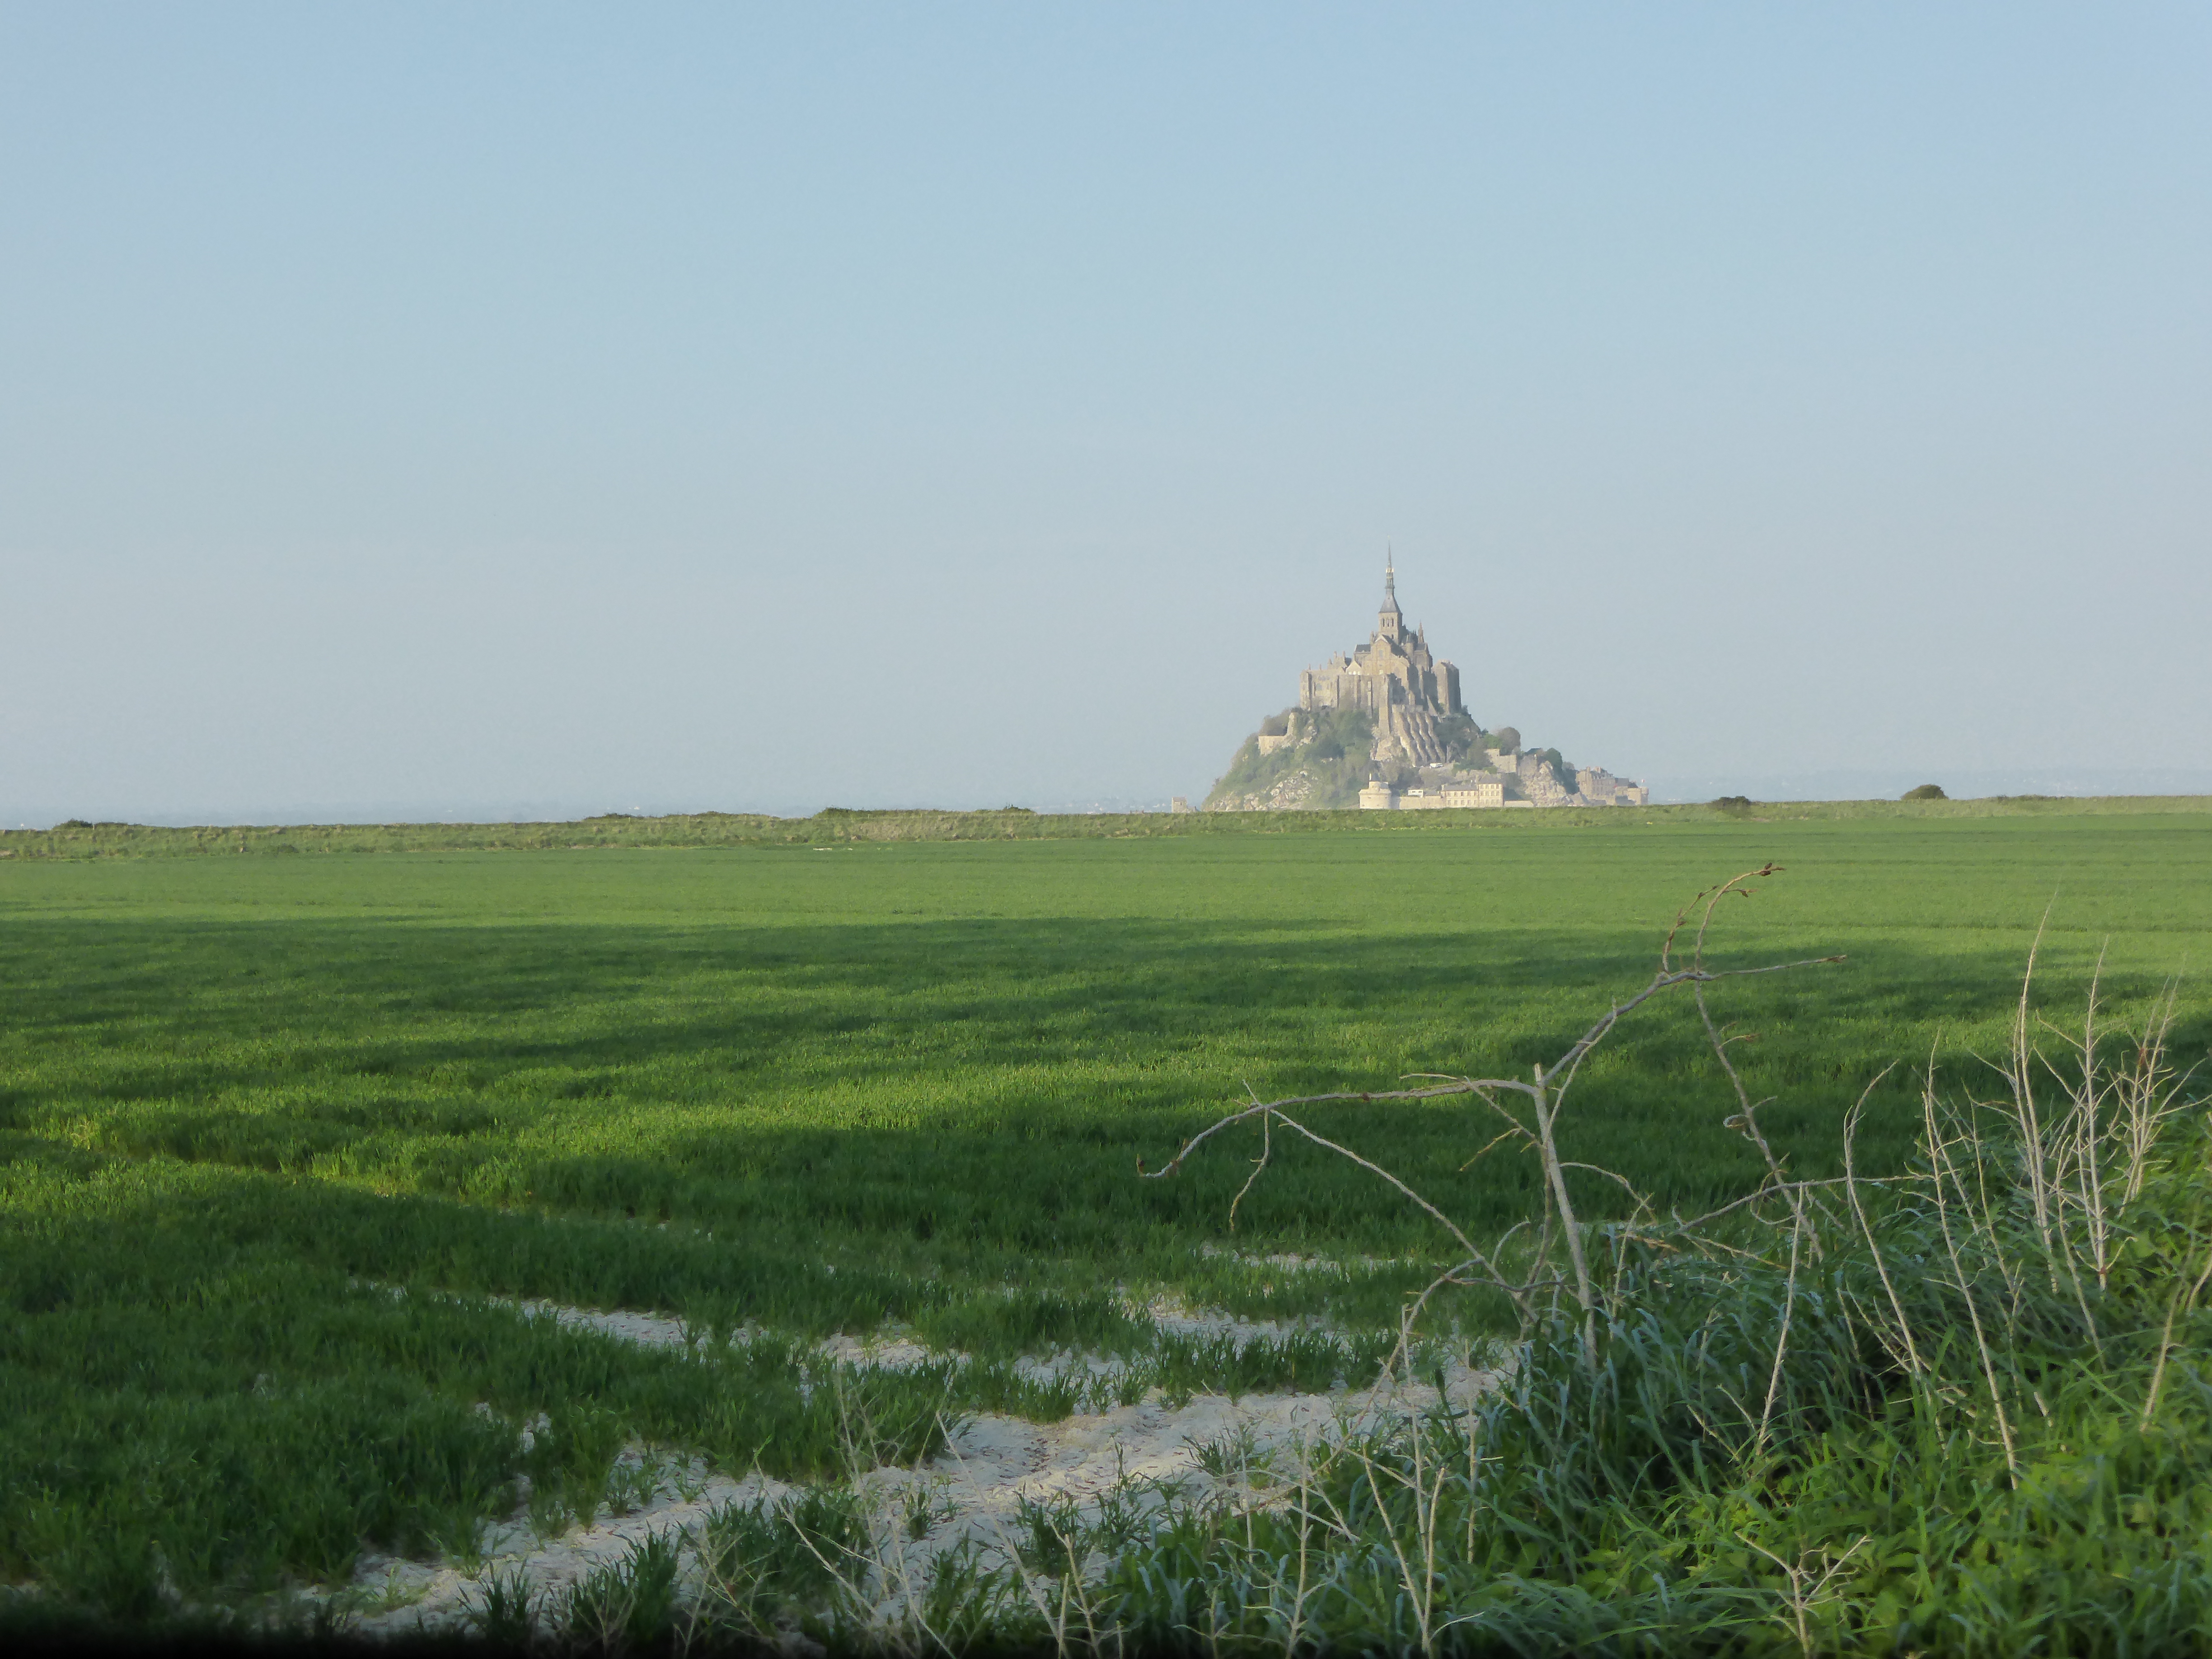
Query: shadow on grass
[[945, 1087], [222, 1136]]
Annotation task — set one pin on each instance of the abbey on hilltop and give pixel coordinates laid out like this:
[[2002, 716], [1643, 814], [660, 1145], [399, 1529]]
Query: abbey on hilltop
[[1381, 727], [1394, 679]]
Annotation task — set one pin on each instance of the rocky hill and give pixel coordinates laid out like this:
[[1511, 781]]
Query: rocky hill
[[1383, 726]]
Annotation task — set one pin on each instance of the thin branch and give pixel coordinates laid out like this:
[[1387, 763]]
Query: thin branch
[[1477, 1085], [1491, 1146], [1782, 1341], [1267, 1151], [1438, 1216], [1788, 1187], [1851, 1185], [1547, 1093], [1958, 1271], [1663, 981], [1568, 1225], [2176, 1308], [1466, 1085], [1644, 1205], [1412, 1311]]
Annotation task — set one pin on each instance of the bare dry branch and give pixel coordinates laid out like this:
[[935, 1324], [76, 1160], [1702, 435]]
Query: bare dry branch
[[1474, 1085], [1851, 1185], [2178, 1307], [1545, 1093], [1267, 1151]]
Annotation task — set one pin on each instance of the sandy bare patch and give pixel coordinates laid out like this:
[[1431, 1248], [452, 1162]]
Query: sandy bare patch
[[899, 1353], [974, 1493], [1290, 1261], [405, 1597], [646, 1330], [1174, 1317], [665, 1331]]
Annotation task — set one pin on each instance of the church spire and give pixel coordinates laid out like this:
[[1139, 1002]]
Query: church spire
[[1391, 618]]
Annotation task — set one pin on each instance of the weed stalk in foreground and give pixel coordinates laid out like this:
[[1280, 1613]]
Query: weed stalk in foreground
[[1955, 1411], [1560, 1231]]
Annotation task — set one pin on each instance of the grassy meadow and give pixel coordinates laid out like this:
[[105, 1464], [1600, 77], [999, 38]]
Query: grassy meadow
[[286, 1136]]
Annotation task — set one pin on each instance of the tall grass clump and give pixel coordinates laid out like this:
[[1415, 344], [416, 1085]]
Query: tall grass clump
[[1961, 1411]]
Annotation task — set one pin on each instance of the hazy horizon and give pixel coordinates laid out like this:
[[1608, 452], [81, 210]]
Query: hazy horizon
[[423, 412], [1779, 789]]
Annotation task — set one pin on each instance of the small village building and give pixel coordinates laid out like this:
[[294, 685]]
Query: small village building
[[1480, 791]]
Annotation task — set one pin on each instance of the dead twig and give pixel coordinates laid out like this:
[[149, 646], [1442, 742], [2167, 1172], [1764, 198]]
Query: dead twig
[[1467, 1086], [1545, 1091]]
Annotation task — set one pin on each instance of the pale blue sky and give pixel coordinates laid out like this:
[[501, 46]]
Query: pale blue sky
[[464, 410]]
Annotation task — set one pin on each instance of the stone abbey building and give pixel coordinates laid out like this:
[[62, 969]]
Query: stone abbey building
[[1395, 679]]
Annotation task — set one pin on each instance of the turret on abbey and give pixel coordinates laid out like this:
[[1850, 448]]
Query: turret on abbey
[[1382, 726]]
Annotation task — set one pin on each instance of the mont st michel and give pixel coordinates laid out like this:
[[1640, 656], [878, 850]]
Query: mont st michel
[[1382, 727]]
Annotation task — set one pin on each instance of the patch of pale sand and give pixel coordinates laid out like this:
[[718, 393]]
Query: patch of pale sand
[[1177, 1318], [973, 1492], [665, 1331], [1066, 1362], [1166, 1313], [995, 1466], [417, 1598], [994, 1463], [895, 1354], [1291, 1261], [646, 1330]]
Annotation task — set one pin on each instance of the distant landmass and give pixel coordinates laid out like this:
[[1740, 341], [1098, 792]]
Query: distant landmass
[[1963, 783], [1382, 727]]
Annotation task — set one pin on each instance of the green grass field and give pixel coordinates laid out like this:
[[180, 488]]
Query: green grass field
[[846, 1082]]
